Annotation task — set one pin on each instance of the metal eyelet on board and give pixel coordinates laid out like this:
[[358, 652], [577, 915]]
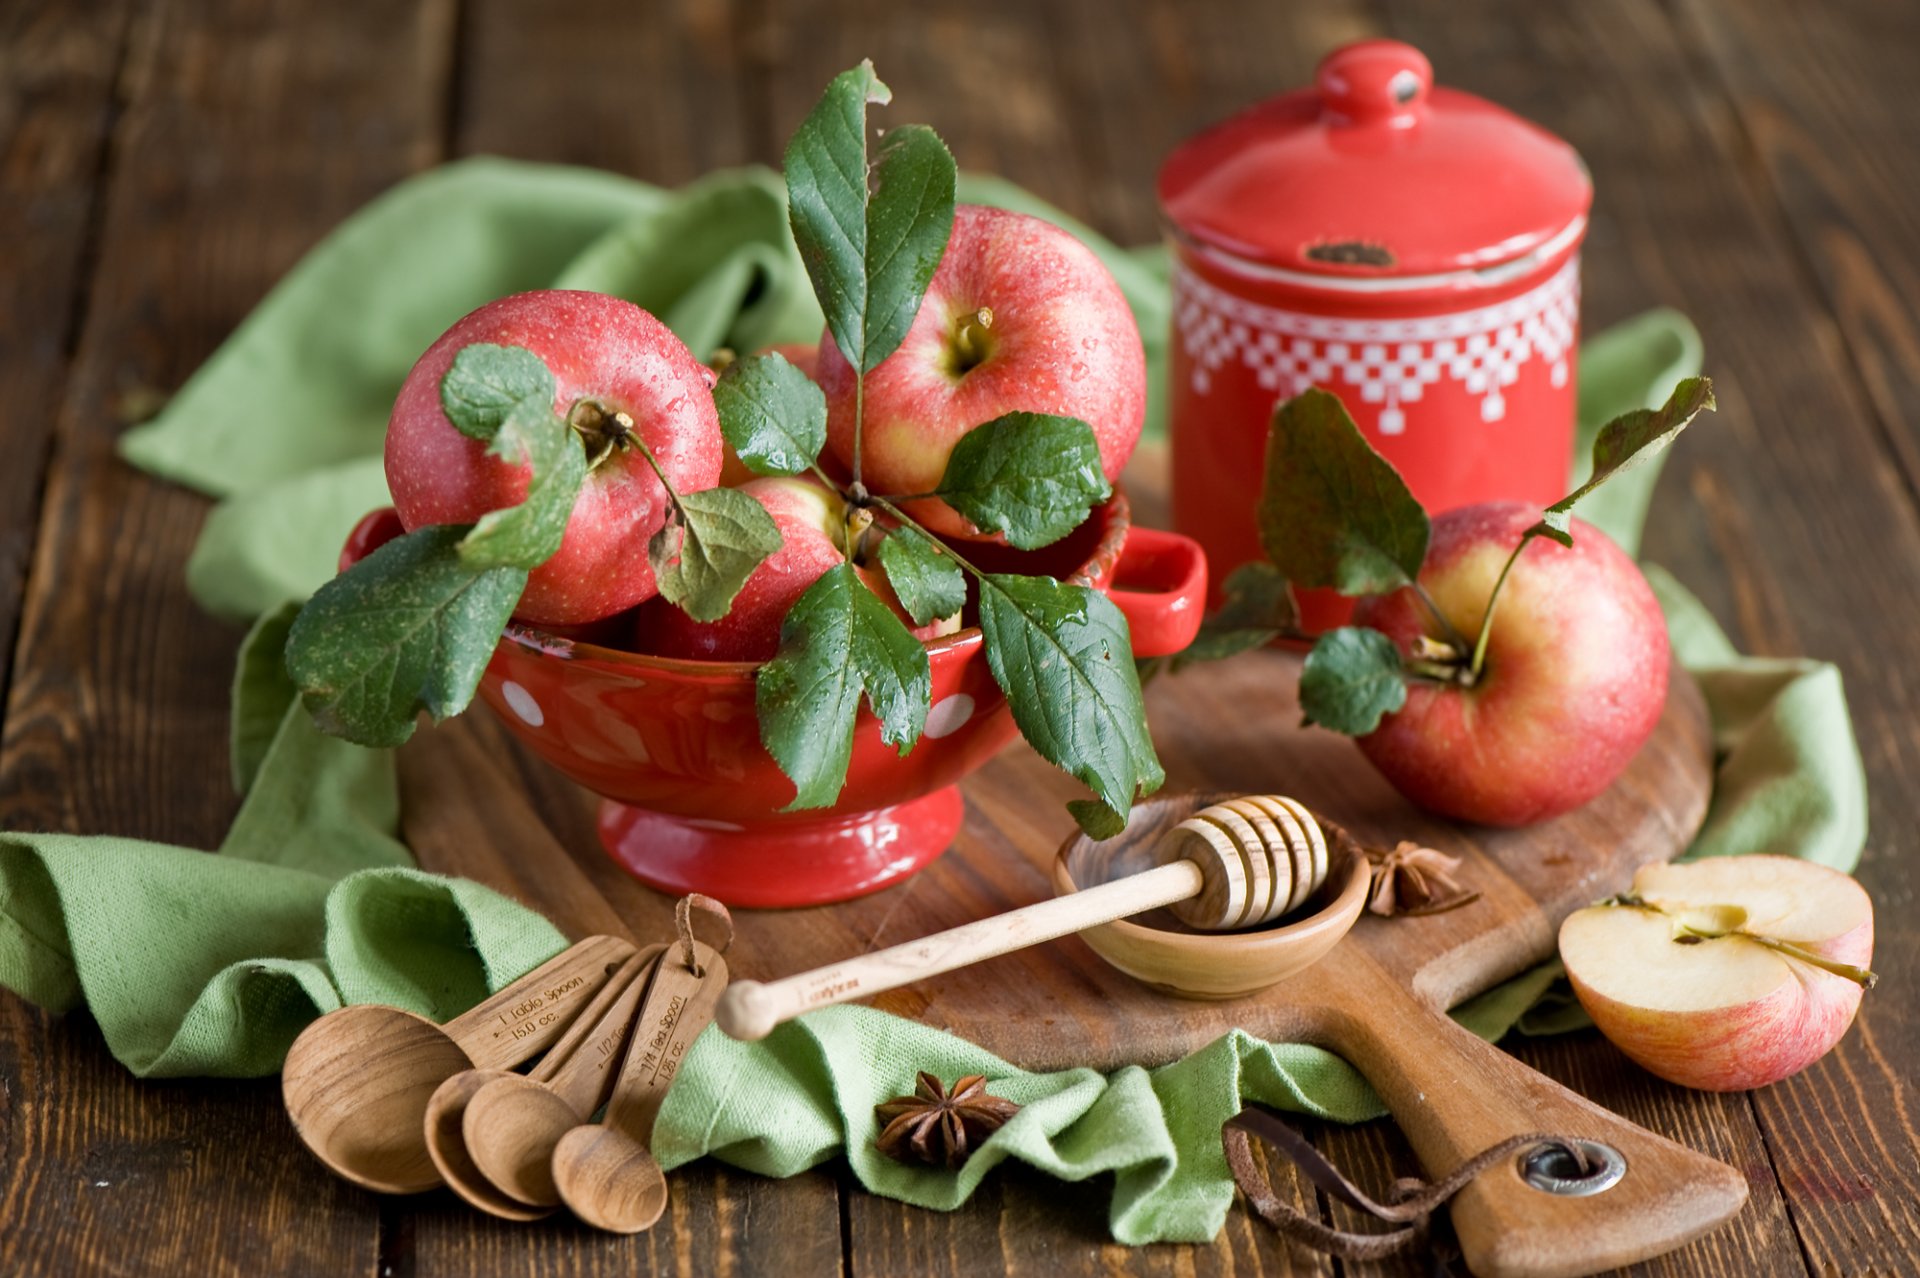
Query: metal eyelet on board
[[1552, 1169]]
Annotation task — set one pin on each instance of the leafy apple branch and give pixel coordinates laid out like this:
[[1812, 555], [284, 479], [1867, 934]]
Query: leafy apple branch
[[871, 231], [410, 627], [1335, 514]]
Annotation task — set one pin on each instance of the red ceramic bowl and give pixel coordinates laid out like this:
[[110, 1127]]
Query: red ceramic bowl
[[692, 799]]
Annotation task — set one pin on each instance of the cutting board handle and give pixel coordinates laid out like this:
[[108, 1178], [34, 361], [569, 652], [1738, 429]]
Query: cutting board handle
[[1454, 1095]]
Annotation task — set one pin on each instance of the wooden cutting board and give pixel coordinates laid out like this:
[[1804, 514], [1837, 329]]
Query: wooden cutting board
[[1233, 726], [1378, 999]]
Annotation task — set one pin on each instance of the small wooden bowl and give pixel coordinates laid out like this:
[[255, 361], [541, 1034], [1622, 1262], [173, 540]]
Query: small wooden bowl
[[1159, 950]]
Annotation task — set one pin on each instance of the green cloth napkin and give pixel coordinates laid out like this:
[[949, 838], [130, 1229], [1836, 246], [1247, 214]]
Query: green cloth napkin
[[209, 964]]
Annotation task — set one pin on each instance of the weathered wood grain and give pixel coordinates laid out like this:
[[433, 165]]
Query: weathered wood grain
[[58, 68], [1026, 1225], [1822, 104], [247, 132], [661, 94], [1803, 540], [984, 76]]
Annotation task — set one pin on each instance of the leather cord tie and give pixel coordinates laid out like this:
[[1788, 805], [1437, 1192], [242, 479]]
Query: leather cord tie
[[683, 927], [1410, 1205]]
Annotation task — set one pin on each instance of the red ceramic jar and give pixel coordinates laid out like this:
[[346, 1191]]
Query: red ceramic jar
[[1413, 249], [692, 800]]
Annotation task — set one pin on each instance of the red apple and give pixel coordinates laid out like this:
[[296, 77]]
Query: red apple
[[600, 349], [810, 519], [1726, 1012], [1574, 681], [1061, 340]]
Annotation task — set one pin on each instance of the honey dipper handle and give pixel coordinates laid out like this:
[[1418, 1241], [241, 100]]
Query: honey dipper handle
[[1455, 1095], [750, 1010]]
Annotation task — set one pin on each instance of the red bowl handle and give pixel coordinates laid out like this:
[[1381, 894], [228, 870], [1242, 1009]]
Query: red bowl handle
[[1160, 585], [375, 529]]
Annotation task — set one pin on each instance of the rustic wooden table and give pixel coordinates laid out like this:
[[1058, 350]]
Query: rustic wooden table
[[161, 164]]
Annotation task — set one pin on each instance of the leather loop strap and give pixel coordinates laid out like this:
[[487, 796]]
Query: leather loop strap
[[1412, 1203], [683, 925]]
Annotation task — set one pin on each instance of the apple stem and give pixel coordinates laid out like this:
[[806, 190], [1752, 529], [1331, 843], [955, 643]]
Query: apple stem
[[1691, 933], [1493, 601], [602, 433], [859, 520], [914, 524], [1864, 977], [828, 480], [673, 498], [970, 337], [1436, 671], [1452, 632], [859, 419]]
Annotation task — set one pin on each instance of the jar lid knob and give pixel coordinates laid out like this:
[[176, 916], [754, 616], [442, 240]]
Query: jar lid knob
[[1375, 82]]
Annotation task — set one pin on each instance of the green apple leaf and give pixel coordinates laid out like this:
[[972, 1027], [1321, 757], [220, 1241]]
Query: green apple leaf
[[772, 414], [1335, 513], [909, 221], [708, 547], [1063, 656], [1259, 607], [1031, 476], [408, 628], [486, 383], [869, 256], [1351, 678], [928, 582], [1626, 442], [838, 643], [528, 534]]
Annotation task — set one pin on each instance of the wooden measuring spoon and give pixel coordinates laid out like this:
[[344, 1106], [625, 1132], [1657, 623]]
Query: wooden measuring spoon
[[606, 1174], [357, 1081], [610, 1012], [513, 1122], [1203, 874]]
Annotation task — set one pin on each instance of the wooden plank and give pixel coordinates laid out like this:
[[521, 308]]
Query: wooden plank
[[984, 76], [1144, 75], [662, 95], [1804, 540], [1026, 1225], [1822, 106], [58, 65], [248, 132], [718, 1221], [664, 98], [1822, 99]]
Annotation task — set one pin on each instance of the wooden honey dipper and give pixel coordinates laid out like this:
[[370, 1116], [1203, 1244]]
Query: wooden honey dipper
[[1237, 864]]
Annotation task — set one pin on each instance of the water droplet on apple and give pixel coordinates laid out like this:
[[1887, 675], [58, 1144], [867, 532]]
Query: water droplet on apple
[[1079, 372]]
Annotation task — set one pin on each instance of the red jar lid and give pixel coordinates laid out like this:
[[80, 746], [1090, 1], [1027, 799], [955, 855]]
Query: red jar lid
[[1374, 180]]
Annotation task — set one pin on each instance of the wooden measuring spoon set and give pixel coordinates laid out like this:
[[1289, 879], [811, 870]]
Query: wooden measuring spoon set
[[395, 1103]]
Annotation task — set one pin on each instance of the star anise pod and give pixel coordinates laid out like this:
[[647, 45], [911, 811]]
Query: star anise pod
[[1415, 880], [937, 1126]]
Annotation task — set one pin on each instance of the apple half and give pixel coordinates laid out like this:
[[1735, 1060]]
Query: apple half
[[1727, 973]]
